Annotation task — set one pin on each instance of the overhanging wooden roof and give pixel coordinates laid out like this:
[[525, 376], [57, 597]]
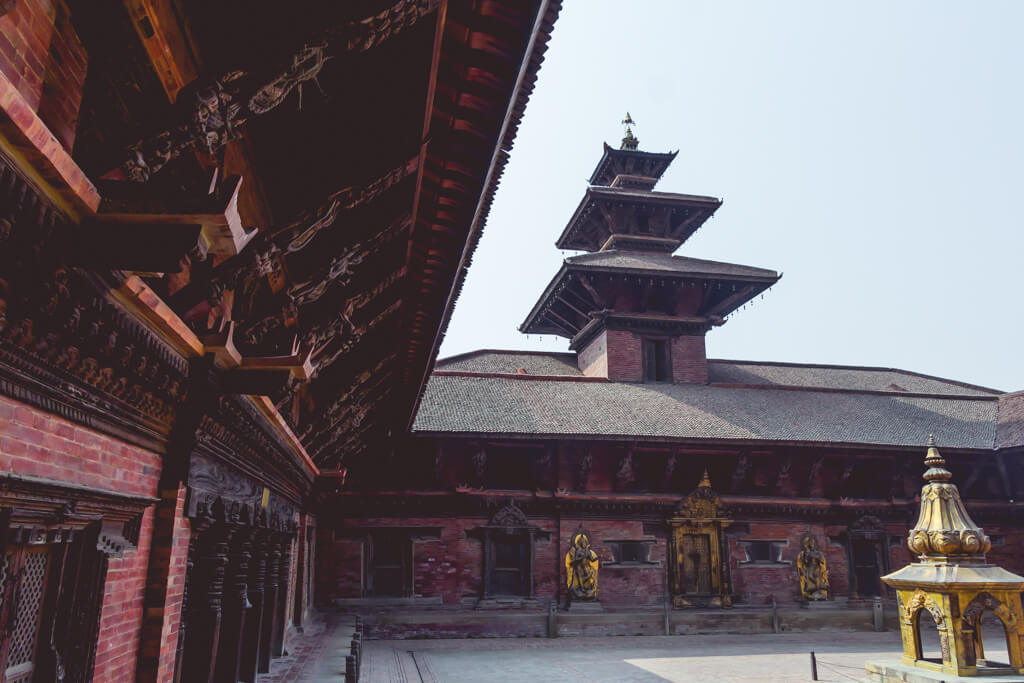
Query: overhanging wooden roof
[[371, 138]]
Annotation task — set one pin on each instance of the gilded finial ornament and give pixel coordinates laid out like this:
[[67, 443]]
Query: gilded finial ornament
[[629, 141], [944, 527], [705, 481], [952, 585]]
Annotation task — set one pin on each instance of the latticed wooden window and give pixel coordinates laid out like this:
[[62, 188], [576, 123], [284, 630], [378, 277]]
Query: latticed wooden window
[[23, 592]]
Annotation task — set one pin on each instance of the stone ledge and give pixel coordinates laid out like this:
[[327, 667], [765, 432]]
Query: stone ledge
[[895, 671]]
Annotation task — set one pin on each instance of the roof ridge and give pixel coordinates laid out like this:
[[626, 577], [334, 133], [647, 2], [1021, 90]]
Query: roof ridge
[[477, 352], [516, 375], [846, 390], [834, 366]]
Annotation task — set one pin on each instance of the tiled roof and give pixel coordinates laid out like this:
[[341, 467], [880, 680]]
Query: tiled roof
[[1010, 425], [837, 377], [659, 262], [497, 405]]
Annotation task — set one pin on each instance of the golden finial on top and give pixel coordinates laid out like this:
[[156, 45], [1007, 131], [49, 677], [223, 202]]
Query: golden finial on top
[[936, 463], [629, 142], [705, 481]]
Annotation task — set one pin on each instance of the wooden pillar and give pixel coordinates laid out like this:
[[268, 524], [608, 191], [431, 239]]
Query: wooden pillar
[[281, 609], [254, 612], [228, 662], [270, 593], [204, 621]]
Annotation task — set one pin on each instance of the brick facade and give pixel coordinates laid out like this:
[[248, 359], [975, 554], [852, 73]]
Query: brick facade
[[43, 58], [689, 359], [121, 616], [618, 355], [38, 444]]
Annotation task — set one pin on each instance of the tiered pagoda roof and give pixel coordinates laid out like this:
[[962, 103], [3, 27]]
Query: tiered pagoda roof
[[631, 231]]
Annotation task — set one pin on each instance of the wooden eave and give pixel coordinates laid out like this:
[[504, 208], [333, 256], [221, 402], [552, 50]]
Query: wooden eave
[[572, 236]]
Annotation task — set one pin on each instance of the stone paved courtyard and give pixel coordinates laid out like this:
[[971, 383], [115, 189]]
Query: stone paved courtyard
[[319, 656]]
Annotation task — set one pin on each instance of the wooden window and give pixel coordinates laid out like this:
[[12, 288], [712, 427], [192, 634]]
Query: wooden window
[[762, 552], [630, 552], [657, 364], [23, 587]]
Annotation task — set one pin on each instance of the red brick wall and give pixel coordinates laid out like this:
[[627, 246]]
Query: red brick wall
[[39, 444], [450, 568], [618, 355], [625, 356], [41, 55], [689, 360], [178, 564], [64, 81], [121, 616], [593, 359], [619, 585], [757, 584], [25, 34]]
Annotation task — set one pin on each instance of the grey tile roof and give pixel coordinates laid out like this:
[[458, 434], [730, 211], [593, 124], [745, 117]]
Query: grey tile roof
[[1010, 425], [666, 263], [731, 372], [497, 405], [835, 377]]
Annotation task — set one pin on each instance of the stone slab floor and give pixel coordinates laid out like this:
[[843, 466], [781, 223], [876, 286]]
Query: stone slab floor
[[640, 659]]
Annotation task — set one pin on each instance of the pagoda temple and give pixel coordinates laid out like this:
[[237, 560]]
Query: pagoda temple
[[695, 482], [631, 310]]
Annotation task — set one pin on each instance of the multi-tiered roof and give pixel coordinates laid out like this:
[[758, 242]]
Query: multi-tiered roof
[[630, 232]]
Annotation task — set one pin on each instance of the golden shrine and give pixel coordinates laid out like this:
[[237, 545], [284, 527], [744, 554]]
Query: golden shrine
[[953, 584]]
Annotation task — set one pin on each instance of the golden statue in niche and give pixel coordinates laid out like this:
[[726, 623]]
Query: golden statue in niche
[[581, 567], [813, 570]]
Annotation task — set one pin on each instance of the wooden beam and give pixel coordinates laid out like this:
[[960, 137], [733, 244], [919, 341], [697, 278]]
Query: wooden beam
[[567, 326], [165, 35], [217, 213], [570, 305], [599, 301]]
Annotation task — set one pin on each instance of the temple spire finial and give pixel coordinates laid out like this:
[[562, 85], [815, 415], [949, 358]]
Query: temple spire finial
[[629, 141], [705, 481], [936, 463]]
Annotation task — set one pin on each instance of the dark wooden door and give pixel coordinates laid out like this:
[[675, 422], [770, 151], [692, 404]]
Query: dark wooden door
[[509, 568], [867, 567]]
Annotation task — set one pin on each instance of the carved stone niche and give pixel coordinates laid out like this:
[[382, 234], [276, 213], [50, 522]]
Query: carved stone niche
[[508, 545], [699, 551]]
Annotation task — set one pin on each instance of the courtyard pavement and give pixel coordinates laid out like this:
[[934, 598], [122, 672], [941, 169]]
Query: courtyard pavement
[[640, 659]]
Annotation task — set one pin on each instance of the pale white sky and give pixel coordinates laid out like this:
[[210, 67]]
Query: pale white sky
[[872, 151]]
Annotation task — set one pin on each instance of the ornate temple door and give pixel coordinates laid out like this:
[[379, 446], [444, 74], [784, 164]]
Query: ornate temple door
[[695, 564], [698, 551]]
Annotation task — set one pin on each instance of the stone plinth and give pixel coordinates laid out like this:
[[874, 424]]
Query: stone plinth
[[895, 671]]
